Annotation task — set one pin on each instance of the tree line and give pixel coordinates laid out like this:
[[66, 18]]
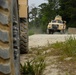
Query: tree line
[[40, 16]]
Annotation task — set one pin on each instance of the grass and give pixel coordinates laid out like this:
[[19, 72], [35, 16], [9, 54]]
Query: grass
[[35, 66], [67, 48], [63, 49], [31, 33]]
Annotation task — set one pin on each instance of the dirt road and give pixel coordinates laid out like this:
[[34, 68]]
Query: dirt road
[[51, 60], [44, 39]]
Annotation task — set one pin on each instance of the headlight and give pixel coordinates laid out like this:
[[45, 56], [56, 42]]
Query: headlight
[[60, 26], [49, 26]]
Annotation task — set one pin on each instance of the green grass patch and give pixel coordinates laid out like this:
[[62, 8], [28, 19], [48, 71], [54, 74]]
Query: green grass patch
[[64, 49], [67, 48], [33, 67], [31, 32]]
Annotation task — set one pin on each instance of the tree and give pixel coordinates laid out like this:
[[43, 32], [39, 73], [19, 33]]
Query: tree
[[68, 11], [42, 15], [33, 15], [47, 12]]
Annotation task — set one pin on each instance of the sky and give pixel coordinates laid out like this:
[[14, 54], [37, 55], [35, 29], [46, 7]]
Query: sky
[[36, 2]]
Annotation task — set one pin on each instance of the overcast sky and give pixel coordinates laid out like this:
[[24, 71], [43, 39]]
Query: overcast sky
[[36, 2]]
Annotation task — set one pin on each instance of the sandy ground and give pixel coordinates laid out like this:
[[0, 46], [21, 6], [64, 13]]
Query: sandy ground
[[42, 40]]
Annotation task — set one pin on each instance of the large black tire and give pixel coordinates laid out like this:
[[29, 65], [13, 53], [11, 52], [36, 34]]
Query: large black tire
[[9, 38], [23, 36], [50, 31]]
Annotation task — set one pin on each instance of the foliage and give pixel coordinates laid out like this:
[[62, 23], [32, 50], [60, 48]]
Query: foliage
[[46, 12], [67, 48], [43, 14], [31, 32], [34, 67], [68, 10]]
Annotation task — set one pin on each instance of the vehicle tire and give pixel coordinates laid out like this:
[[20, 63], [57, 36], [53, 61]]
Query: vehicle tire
[[23, 36], [52, 32], [9, 53]]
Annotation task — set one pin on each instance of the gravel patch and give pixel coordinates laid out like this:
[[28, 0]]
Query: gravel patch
[[44, 39]]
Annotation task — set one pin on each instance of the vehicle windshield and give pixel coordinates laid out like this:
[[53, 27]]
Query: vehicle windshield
[[53, 21], [58, 21]]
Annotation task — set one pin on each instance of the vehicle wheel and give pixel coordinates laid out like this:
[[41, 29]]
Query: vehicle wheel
[[23, 36], [9, 42], [52, 32]]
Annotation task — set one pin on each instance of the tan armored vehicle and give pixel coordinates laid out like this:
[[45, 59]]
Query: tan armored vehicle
[[13, 35], [56, 25]]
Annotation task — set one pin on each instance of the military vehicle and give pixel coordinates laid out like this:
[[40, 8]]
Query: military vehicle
[[56, 25], [13, 35]]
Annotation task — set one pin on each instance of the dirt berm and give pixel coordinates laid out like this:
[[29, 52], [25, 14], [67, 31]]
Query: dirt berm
[[71, 30]]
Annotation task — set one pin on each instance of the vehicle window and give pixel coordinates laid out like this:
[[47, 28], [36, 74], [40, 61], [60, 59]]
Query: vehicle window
[[53, 21], [60, 21]]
